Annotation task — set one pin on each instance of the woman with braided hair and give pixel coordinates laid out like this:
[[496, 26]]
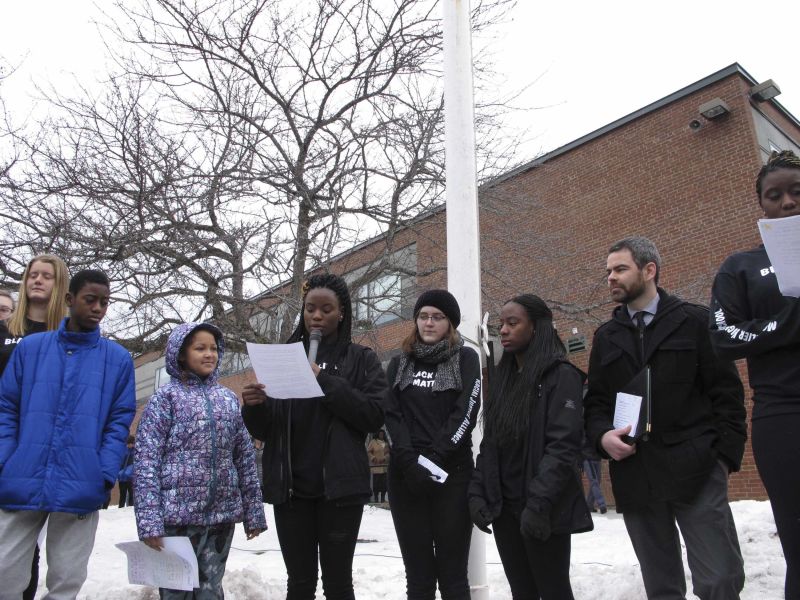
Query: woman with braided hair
[[526, 482], [752, 319], [315, 465], [431, 408]]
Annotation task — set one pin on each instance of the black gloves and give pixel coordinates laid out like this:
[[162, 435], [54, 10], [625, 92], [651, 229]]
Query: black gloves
[[418, 480], [535, 524], [479, 513]]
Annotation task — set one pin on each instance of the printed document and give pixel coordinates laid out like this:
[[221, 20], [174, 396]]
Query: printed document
[[437, 474], [781, 238], [284, 370], [626, 412], [173, 567]]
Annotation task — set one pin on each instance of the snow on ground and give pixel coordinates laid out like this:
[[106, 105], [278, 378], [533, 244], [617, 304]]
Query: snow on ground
[[603, 563]]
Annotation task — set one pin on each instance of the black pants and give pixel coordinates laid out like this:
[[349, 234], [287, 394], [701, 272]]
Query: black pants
[[434, 532], [379, 487], [776, 448], [125, 494], [534, 569], [311, 529]]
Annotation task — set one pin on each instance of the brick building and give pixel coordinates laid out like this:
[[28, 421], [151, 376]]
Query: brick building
[[665, 171]]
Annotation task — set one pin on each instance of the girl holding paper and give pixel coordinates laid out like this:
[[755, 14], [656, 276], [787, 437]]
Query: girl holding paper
[[526, 482], [194, 471], [431, 408], [752, 319], [316, 470]]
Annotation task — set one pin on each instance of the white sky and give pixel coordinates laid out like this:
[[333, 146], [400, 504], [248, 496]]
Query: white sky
[[598, 61]]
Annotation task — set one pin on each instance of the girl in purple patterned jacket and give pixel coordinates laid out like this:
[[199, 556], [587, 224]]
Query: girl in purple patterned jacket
[[195, 471]]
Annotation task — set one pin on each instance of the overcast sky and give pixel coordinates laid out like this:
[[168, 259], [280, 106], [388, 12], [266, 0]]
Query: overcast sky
[[595, 61]]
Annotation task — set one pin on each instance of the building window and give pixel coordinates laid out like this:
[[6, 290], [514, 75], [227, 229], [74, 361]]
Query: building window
[[379, 301], [269, 322], [162, 377], [384, 293], [233, 362]]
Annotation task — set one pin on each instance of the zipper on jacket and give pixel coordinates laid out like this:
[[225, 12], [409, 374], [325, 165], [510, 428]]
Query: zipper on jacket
[[289, 478], [325, 446], [647, 389], [213, 437]]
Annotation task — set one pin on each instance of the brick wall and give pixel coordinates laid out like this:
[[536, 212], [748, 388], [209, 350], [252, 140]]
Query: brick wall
[[547, 230]]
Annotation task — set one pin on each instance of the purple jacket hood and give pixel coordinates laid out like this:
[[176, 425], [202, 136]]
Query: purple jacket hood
[[176, 341]]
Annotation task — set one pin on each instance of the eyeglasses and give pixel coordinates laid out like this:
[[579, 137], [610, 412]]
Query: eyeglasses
[[436, 318], [5, 310]]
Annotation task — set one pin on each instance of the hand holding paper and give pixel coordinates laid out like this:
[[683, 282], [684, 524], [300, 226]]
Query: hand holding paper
[[284, 370], [626, 412], [173, 567], [613, 442], [781, 239], [437, 473]]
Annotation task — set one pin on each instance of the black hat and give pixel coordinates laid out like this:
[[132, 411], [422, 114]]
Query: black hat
[[444, 301]]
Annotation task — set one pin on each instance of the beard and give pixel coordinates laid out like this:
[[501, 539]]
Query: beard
[[627, 294]]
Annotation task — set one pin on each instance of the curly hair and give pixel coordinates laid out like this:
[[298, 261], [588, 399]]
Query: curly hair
[[338, 286], [786, 159]]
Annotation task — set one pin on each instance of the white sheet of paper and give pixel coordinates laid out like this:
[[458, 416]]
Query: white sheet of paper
[[437, 474], [781, 238], [173, 567], [626, 411], [284, 370]]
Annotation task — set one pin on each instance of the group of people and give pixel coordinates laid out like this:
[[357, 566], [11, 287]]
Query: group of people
[[66, 402]]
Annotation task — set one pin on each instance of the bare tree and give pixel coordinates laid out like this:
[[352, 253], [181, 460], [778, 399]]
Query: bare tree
[[239, 144]]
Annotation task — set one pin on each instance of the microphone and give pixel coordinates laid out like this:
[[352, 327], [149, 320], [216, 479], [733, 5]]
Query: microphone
[[313, 344]]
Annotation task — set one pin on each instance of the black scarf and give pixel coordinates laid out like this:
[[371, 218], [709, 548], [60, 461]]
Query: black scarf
[[447, 357]]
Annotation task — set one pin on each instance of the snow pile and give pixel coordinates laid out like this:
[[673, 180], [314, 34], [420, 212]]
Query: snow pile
[[603, 563]]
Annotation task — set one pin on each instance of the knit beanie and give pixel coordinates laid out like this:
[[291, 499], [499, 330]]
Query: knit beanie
[[444, 301]]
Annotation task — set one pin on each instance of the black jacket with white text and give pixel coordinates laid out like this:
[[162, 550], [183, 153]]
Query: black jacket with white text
[[751, 319]]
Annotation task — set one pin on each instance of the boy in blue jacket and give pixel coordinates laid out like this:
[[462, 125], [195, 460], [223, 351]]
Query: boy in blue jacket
[[67, 399]]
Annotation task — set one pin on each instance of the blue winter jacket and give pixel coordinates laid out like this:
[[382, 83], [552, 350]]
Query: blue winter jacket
[[66, 402], [195, 463]]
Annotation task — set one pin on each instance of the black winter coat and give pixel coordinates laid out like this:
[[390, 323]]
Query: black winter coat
[[752, 319], [552, 454], [697, 400], [354, 400]]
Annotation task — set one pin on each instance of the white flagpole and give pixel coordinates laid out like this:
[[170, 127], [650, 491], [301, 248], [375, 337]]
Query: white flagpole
[[463, 235]]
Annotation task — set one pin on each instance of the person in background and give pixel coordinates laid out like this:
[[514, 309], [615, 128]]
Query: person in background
[[592, 468], [378, 451], [42, 304], [431, 409], [316, 469], [6, 305], [68, 394], [126, 476], [751, 318], [195, 471], [527, 481]]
